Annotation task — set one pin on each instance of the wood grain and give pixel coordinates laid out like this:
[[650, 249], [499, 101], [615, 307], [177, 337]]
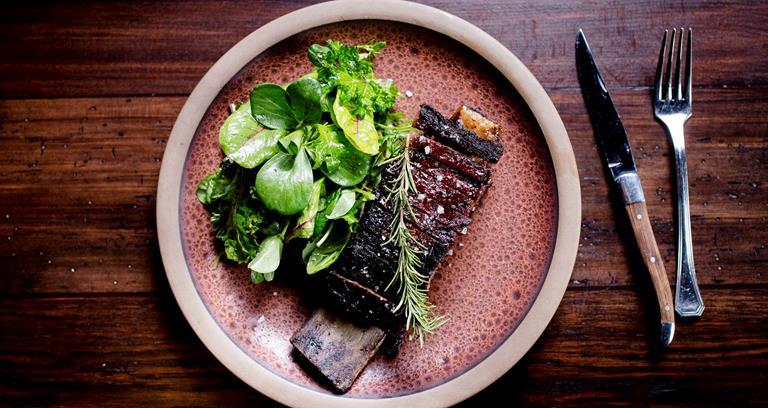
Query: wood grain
[[138, 350], [164, 48], [89, 92]]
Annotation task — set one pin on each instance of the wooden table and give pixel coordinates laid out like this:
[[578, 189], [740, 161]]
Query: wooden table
[[89, 93]]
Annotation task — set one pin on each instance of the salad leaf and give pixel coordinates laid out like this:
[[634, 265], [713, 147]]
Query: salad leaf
[[342, 206], [362, 95], [305, 225], [237, 129], [350, 69], [258, 278], [335, 205], [336, 57], [351, 216], [360, 131], [304, 96], [284, 183], [267, 259], [292, 141], [237, 218], [256, 150], [220, 185], [269, 106], [337, 158], [279, 108], [328, 248], [319, 55], [238, 230]]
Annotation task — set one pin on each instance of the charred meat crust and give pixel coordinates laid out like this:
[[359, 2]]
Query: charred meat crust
[[450, 184], [361, 304], [453, 134]]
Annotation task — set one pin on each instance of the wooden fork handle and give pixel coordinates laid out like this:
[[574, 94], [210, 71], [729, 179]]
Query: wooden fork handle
[[641, 225]]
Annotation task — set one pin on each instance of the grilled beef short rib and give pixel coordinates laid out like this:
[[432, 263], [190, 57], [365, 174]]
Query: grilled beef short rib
[[451, 169]]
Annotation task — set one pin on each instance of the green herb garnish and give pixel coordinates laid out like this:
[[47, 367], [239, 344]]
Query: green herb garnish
[[419, 312]]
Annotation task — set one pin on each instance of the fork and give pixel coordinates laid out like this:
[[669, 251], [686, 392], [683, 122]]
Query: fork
[[672, 107]]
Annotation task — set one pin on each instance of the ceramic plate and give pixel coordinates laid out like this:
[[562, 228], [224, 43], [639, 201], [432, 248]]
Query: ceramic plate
[[506, 276]]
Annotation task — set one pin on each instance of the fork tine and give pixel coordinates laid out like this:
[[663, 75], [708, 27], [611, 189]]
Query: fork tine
[[678, 78], [669, 64], [689, 69], [660, 68]]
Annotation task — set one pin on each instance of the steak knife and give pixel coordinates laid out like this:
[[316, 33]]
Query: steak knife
[[614, 147]]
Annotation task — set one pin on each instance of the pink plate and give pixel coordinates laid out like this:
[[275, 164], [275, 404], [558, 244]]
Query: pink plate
[[497, 269], [487, 287]]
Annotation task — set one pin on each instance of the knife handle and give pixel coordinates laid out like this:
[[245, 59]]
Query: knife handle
[[634, 202], [641, 225]]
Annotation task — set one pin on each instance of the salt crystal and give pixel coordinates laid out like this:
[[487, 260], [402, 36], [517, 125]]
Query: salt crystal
[[421, 196], [408, 94], [463, 231], [440, 209], [439, 177], [427, 149]]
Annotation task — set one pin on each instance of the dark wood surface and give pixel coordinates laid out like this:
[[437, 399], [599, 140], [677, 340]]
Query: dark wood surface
[[89, 93]]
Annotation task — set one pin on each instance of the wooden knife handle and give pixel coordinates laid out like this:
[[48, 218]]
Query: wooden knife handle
[[638, 214]]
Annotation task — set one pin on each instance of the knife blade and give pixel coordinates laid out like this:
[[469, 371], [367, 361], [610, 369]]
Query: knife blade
[[614, 147]]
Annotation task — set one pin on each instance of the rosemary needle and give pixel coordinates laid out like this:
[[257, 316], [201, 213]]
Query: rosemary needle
[[420, 317]]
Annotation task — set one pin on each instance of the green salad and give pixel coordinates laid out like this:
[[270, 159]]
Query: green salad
[[301, 160]]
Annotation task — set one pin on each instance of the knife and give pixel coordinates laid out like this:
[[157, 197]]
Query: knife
[[613, 145]]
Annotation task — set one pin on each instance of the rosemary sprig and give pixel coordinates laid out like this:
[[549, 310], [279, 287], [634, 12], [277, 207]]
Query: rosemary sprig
[[419, 313]]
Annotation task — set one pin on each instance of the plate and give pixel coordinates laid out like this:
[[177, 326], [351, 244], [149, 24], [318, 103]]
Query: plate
[[507, 275]]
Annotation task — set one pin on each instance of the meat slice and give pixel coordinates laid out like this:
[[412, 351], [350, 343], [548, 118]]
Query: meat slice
[[424, 147], [476, 122], [454, 134], [451, 171], [337, 348]]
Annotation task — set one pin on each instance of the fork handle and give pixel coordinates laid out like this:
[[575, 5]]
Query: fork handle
[[688, 300]]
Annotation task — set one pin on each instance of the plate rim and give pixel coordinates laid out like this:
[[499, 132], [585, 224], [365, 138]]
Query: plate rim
[[563, 257]]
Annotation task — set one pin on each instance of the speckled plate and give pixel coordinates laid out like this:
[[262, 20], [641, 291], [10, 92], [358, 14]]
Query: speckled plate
[[505, 278]]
